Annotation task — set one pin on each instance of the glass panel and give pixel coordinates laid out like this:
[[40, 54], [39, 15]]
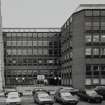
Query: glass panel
[[8, 51], [40, 34], [103, 51], [88, 12], [45, 43], [29, 51], [102, 38], [96, 51], [19, 43], [102, 12], [8, 34], [39, 51], [13, 51], [9, 43], [35, 35], [96, 13], [29, 43], [88, 51], [45, 35], [13, 43], [35, 52], [24, 43], [40, 43], [45, 51], [34, 43], [88, 38], [24, 52], [88, 81], [19, 52], [95, 38]]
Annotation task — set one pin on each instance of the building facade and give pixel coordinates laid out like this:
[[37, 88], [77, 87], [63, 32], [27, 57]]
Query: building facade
[[73, 54], [29, 53], [83, 36]]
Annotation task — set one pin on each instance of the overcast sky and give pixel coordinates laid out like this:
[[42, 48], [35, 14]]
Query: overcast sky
[[39, 13]]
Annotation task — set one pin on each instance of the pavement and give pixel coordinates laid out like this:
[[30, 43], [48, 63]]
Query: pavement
[[28, 100]]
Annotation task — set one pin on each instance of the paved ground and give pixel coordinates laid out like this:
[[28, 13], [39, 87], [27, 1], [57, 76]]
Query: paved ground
[[28, 100]]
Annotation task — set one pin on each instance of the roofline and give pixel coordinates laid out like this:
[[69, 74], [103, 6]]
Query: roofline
[[89, 6], [31, 29]]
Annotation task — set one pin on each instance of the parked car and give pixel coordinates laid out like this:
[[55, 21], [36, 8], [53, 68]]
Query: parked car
[[72, 90], [90, 96], [65, 97], [42, 98], [100, 90], [13, 98], [39, 89], [8, 90]]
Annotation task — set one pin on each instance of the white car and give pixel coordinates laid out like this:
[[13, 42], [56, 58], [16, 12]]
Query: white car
[[13, 98]]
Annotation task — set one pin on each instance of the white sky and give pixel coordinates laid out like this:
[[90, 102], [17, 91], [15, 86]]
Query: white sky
[[39, 13]]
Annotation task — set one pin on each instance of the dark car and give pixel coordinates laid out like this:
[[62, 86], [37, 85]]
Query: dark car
[[42, 98], [90, 96], [65, 97], [72, 90], [100, 90]]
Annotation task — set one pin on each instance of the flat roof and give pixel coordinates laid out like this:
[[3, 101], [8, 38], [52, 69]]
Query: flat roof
[[31, 29], [90, 6]]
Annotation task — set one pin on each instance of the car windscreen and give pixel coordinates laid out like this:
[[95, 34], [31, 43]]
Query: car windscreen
[[43, 95], [91, 92], [66, 94], [13, 95]]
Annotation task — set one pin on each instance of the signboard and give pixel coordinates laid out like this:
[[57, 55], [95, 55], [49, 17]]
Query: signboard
[[40, 77]]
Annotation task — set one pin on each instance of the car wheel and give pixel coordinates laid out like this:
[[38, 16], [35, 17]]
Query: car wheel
[[89, 100]]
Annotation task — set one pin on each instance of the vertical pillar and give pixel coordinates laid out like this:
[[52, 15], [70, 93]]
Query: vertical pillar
[[1, 54]]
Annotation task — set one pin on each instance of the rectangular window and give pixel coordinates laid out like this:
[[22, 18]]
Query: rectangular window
[[96, 13], [88, 13], [102, 51], [19, 43], [9, 43], [13, 51], [45, 51], [95, 51], [95, 38], [29, 43], [88, 51], [102, 38], [88, 38], [24, 52], [34, 43], [35, 52], [19, 52]]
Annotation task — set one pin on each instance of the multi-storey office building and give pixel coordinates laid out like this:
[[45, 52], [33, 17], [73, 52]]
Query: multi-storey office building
[[83, 47], [31, 52]]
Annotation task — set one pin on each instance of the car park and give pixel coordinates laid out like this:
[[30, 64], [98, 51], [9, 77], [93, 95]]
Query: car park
[[65, 97], [42, 97], [13, 98], [90, 96], [100, 90]]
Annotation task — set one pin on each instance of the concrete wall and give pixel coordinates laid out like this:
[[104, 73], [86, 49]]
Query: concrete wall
[[2, 83], [78, 62]]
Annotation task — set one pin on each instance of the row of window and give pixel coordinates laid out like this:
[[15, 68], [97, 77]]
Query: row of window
[[95, 12], [94, 51], [39, 51], [32, 43], [95, 38], [16, 34], [30, 61]]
